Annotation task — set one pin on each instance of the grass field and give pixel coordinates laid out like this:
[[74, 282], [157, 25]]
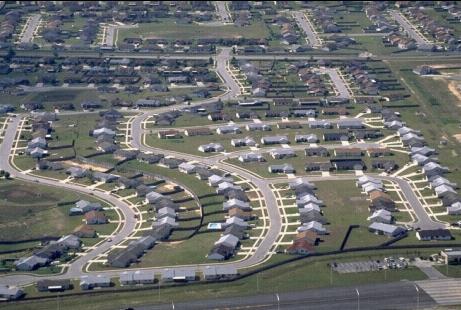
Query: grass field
[[345, 205], [170, 30]]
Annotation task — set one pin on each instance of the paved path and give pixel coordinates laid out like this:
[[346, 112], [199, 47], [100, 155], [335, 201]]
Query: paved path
[[427, 267]]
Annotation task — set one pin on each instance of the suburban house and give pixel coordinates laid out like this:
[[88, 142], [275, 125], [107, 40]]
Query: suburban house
[[386, 229], [381, 216], [257, 127], [211, 148], [88, 282], [289, 125], [229, 129], [251, 157], [187, 168], [310, 138], [312, 226], [201, 131], [284, 168], [243, 142], [268, 140], [316, 151], [84, 231], [95, 218], [434, 234], [83, 206], [169, 134], [10, 292], [282, 153]]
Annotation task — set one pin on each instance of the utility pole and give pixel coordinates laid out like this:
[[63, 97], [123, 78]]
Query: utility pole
[[358, 299], [331, 274], [417, 296]]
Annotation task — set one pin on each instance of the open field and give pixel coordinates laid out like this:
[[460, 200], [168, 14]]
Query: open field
[[171, 30], [345, 205]]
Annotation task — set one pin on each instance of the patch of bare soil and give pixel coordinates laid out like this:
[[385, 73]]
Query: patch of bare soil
[[454, 89]]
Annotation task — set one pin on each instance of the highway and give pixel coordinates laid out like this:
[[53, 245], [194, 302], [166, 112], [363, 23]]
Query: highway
[[399, 295]]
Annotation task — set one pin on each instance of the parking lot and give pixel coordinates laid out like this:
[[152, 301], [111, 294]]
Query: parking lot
[[370, 265]]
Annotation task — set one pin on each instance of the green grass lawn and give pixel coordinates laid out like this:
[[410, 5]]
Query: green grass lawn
[[345, 205], [171, 30]]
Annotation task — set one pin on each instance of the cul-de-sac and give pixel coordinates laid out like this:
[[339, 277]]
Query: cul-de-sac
[[202, 155]]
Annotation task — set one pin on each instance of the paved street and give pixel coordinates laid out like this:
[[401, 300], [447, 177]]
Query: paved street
[[223, 12], [338, 82], [31, 26], [409, 28], [311, 35]]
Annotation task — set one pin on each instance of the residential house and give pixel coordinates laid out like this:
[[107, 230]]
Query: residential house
[[284, 168], [316, 151], [381, 216], [310, 138], [187, 168], [95, 218], [269, 140], [88, 282], [211, 148], [314, 227], [251, 157], [229, 129], [386, 229]]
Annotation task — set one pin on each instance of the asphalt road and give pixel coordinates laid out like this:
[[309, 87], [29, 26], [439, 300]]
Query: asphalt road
[[305, 25], [340, 84], [409, 28], [33, 23], [223, 13], [400, 295]]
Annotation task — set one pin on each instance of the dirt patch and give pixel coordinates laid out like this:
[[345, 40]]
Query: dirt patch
[[457, 137], [454, 89], [86, 166]]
